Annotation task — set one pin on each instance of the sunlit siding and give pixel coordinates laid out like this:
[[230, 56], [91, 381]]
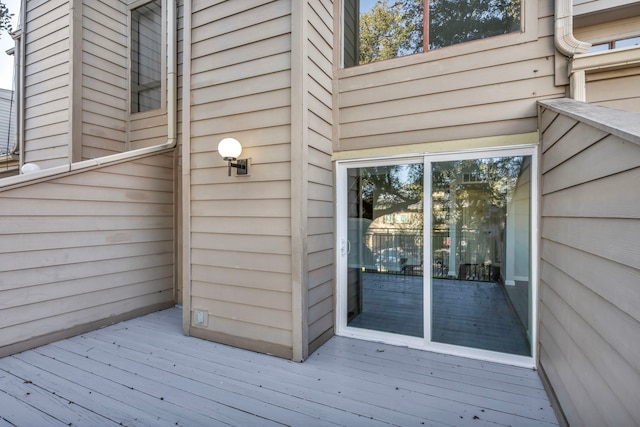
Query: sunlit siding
[[477, 89], [84, 250], [583, 7], [590, 266], [241, 226], [47, 86], [104, 77], [619, 91], [613, 86], [320, 179]]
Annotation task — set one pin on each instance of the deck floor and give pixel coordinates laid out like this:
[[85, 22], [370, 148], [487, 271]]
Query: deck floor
[[144, 372]]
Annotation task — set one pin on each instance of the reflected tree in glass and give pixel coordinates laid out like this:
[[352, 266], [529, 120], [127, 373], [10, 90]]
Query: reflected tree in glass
[[393, 28]]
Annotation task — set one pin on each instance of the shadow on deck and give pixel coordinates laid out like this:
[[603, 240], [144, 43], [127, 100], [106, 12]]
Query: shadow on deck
[[145, 372]]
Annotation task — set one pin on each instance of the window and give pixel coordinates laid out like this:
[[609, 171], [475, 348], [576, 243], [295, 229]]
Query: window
[[382, 29], [146, 57], [616, 44]]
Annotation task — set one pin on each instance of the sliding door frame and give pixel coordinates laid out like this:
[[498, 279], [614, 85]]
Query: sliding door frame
[[425, 343]]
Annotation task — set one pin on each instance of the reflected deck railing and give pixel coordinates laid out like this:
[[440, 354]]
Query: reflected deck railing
[[401, 252]]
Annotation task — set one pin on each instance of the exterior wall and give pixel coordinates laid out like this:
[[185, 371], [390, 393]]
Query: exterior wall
[[84, 250], [611, 83], [180, 244], [260, 267], [7, 121], [616, 90], [240, 227], [586, 7], [320, 172], [107, 125], [47, 87], [9, 163], [150, 128], [104, 78], [83, 41], [590, 269], [477, 89]]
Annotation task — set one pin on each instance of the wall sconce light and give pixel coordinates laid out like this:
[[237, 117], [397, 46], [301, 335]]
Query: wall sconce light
[[230, 149]]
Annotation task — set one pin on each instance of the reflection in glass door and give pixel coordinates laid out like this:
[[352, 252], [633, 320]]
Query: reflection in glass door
[[385, 249], [459, 280], [480, 239]]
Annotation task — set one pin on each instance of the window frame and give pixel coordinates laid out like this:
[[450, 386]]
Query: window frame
[[528, 33], [427, 343], [163, 61]]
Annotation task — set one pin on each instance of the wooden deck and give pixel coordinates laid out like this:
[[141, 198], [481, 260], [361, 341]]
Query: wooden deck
[[144, 372]]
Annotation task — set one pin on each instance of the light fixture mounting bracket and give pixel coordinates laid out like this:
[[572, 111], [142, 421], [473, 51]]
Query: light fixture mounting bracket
[[241, 165]]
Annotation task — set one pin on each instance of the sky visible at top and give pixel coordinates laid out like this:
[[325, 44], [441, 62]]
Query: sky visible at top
[[6, 43], [366, 5]]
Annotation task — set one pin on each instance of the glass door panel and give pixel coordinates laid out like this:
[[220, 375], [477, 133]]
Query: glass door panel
[[385, 249], [480, 246]]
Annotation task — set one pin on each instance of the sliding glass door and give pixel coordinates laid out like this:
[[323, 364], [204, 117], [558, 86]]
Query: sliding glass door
[[459, 277], [385, 248], [480, 239]]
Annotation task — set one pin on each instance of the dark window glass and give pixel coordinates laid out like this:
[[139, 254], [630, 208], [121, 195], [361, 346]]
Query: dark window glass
[[146, 57]]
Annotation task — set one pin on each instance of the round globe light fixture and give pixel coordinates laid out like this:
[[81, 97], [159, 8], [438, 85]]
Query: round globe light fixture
[[230, 149], [29, 168]]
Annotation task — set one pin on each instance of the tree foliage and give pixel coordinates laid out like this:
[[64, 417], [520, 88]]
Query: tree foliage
[[458, 21], [394, 28], [5, 18], [384, 33], [391, 189]]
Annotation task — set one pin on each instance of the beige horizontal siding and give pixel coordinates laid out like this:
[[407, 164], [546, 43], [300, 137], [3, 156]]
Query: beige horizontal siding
[[80, 249], [476, 89], [620, 91], [319, 170], [46, 91], [241, 226], [590, 321], [147, 131], [251, 279], [583, 7], [620, 29], [8, 122]]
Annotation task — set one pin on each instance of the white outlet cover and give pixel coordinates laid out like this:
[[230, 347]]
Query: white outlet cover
[[201, 318]]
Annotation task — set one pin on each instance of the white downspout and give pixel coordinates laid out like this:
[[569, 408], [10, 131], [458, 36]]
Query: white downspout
[[18, 76], [568, 45], [172, 74]]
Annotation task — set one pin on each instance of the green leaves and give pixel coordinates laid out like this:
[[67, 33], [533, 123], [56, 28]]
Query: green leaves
[[385, 32], [395, 28], [5, 19]]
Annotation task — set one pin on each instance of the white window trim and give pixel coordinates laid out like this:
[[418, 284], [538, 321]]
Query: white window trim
[[163, 63]]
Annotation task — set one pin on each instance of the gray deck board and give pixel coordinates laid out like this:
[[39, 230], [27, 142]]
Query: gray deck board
[[58, 408], [145, 372], [109, 399]]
